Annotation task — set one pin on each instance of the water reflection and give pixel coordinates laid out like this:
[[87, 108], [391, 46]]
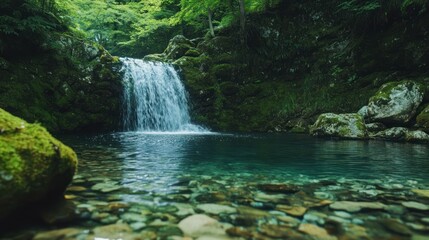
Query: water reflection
[[153, 163]]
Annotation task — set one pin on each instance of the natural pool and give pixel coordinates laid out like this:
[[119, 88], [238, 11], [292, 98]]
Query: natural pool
[[255, 186]]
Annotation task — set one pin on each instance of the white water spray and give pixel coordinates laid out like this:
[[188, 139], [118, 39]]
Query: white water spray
[[154, 98]]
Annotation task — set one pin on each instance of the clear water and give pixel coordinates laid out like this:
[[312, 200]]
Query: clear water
[[154, 98], [151, 161]]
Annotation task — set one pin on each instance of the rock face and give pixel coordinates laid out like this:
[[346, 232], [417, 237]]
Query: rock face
[[72, 85], [34, 166], [395, 102], [423, 119], [339, 125]]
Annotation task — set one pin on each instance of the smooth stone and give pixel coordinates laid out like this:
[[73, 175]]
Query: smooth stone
[[137, 226], [159, 223], [76, 189], [395, 209], [289, 221], [338, 219], [183, 209], [323, 195], [200, 225], [342, 214], [216, 208], [240, 232], [113, 231], [315, 231], [278, 188], [98, 216], [276, 231], [66, 233], [396, 227], [355, 232], [87, 207], [425, 220], [421, 192], [115, 206], [274, 198], [70, 196], [415, 205], [253, 212], [98, 203], [167, 231], [133, 217], [315, 217], [296, 211], [356, 206], [106, 187], [417, 227]]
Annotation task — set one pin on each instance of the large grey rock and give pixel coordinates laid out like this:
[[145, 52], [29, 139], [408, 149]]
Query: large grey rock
[[349, 125], [395, 102], [403, 134]]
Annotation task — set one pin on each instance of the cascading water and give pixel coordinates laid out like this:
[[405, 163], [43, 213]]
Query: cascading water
[[154, 98]]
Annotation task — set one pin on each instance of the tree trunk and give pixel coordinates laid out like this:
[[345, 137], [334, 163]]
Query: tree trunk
[[209, 13]]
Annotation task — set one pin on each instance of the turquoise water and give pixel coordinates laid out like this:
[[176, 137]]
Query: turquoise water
[[156, 159], [150, 185]]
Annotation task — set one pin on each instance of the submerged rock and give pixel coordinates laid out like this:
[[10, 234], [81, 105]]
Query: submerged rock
[[395, 102], [349, 125], [200, 225], [356, 206], [34, 166]]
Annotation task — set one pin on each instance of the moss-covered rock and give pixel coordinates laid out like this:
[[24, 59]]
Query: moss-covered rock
[[423, 119], [395, 102], [178, 47], [349, 125], [402, 134], [34, 166]]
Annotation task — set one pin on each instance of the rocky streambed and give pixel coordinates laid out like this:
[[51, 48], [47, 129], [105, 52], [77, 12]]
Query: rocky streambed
[[241, 207]]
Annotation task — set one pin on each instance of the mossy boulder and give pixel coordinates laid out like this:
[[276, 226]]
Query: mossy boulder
[[423, 119], [395, 102], [34, 166], [178, 47], [349, 125]]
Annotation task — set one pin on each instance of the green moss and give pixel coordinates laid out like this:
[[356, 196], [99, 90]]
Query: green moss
[[423, 119], [33, 165]]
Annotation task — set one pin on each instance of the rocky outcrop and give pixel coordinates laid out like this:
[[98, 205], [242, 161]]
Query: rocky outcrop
[[395, 103], [402, 134], [34, 166], [339, 125], [70, 85], [423, 119]]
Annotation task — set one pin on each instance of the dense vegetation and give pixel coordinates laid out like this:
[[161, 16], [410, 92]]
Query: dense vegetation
[[271, 62]]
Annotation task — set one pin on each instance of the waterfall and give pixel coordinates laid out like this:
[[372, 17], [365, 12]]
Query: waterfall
[[154, 98]]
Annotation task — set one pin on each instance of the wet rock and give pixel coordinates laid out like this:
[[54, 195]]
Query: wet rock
[[116, 206], [165, 232], [273, 198], [423, 119], [66, 233], [278, 188], [315, 231], [136, 226], [315, 217], [356, 206], [296, 211], [252, 212], [211, 197], [417, 136], [355, 232], [395, 102], [375, 127], [421, 192], [239, 232], [106, 187], [342, 214], [277, 231], [34, 166], [289, 221], [415, 206], [339, 125], [114, 231], [200, 225], [425, 220], [396, 133], [184, 209], [396, 227], [59, 212], [76, 189], [133, 217], [216, 208]]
